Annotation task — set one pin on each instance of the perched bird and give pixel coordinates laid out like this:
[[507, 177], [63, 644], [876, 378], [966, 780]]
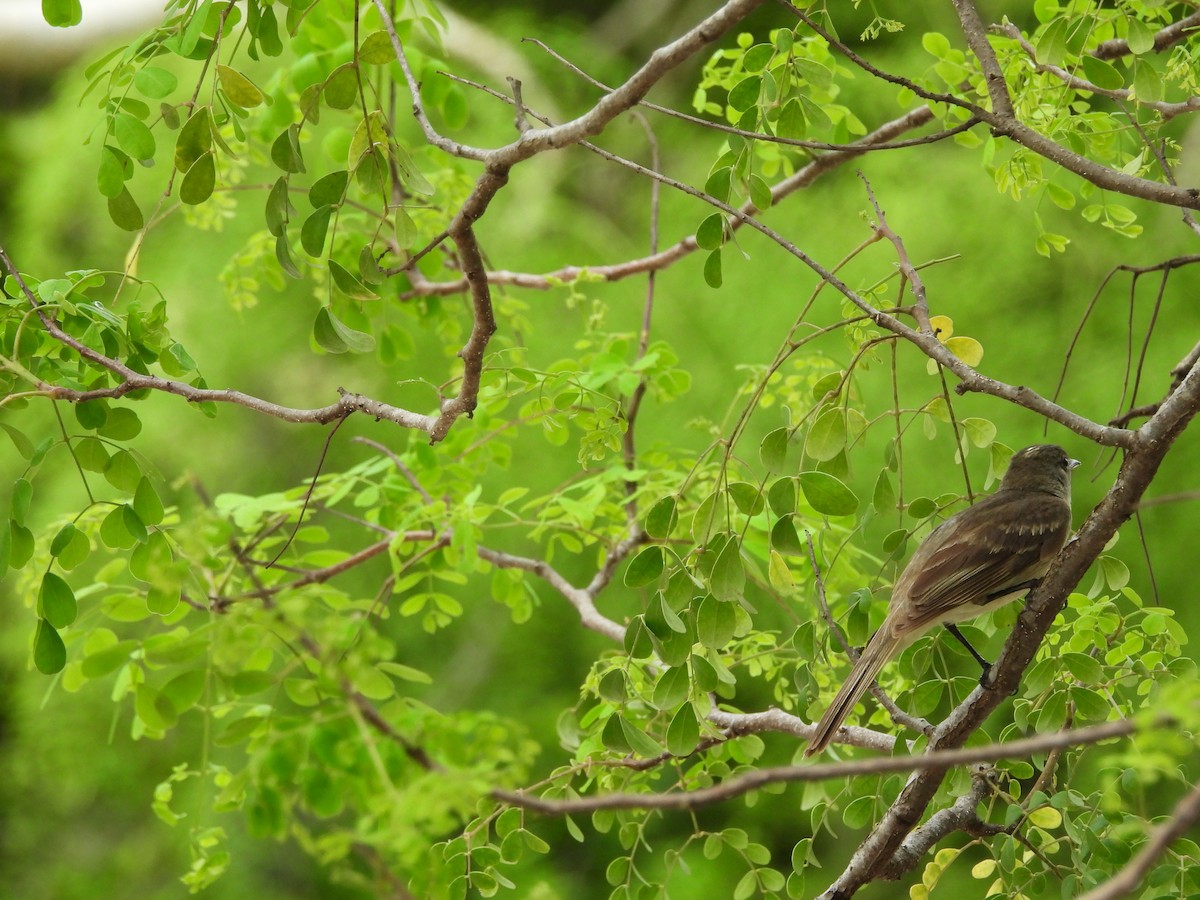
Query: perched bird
[[975, 561]]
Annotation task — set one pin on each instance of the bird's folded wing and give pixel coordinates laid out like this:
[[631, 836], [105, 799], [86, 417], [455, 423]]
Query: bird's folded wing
[[1007, 541]]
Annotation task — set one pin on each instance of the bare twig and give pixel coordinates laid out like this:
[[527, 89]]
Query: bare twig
[[899, 716], [854, 147], [804, 177], [580, 598]]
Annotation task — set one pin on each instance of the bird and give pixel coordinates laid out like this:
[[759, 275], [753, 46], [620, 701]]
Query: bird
[[977, 560]]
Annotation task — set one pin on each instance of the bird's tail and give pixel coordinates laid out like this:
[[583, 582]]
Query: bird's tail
[[882, 647]]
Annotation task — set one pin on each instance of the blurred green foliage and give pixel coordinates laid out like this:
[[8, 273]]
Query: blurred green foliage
[[232, 728]]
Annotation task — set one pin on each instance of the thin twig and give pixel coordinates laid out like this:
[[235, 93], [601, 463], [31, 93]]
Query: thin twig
[[1124, 884], [758, 778]]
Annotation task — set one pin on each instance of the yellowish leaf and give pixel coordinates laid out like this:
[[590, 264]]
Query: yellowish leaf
[[967, 349]]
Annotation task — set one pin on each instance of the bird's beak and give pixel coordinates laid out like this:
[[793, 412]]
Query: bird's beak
[[1072, 463]]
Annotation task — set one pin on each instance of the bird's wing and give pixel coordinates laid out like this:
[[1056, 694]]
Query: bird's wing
[[1003, 541]]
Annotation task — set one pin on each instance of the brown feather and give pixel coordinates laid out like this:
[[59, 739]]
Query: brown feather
[[976, 560]]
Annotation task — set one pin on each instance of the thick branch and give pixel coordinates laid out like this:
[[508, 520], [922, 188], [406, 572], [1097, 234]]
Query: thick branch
[[627, 95], [976, 35]]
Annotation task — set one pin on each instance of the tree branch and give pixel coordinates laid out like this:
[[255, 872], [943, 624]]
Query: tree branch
[[1152, 443], [1009, 126], [802, 178], [993, 76], [1125, 883], [1172, 34], [758, 778]]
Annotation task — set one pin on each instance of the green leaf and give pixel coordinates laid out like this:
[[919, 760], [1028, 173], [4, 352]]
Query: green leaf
[[20, 545], [348, 284], [613, 686], [368, 268], [108, 660], [332, 335], [637, 639], [110, 177], [781, 496], [146, 503], [20, 441], [49, 652], [785, 539], [729, 575], [341, 87], [124, 211], [21, 496], [672, 688], [279, 207], [239, 89], [285, 151], [70, 547], [711, 233], [312, 232], [62, 539], [283, 255], [935, 44], [155, 82], [645, 568], [153, 709], [199, 181], [376, 49], [773, 450], [981, 431], [716, 622], [683, 734], [194, 28], [744, 94], [779, 574], [123, 472], [133, 136], [62, 14], [113, 532], [640, 743], [329, 190], [827, 495], [91, 454], [712, 269], [746, 497], [120, 424], [661, 519], [883, 499], [827, 436], [613, 735], [1102, 74], [185, 689], [56, 601], [194, 140]]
